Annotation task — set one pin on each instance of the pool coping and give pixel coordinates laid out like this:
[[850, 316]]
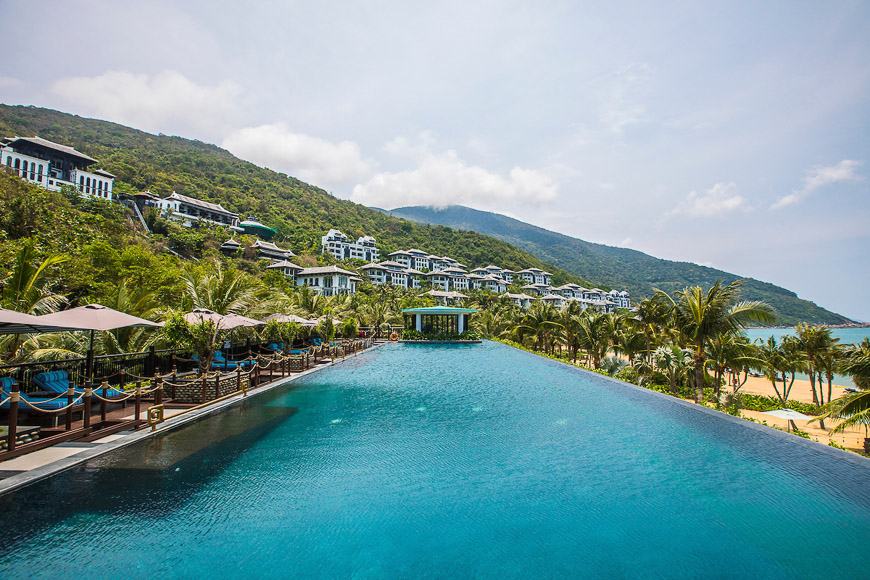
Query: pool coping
[[25, 478], [809, 443]]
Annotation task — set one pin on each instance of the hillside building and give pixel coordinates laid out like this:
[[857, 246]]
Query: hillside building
[[189, 210], [337, 244], [327, 280], [51, 166]]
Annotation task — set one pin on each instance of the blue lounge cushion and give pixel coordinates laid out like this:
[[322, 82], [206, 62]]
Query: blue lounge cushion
[[42, 403]]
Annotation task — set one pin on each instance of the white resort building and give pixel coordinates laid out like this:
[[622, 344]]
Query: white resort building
[[51, 166], [337, 244], [188, 210], [327, 280]]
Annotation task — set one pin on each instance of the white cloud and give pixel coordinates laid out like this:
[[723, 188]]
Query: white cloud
[[311, 159], [444, 179], [819, 177], [624, 243], [719, 200], [620, 95], [9, 82], [156, 102]]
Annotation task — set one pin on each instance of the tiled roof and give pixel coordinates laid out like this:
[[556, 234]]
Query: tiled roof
[[55, 146], [199, 203]]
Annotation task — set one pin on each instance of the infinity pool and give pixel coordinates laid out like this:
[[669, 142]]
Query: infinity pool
[[450, 461]]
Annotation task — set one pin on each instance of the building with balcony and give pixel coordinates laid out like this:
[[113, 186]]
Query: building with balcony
[[338, 244], [51, 166], [327, 280], [189, 210]]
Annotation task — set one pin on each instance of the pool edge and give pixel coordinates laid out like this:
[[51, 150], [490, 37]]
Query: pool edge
[[26, 478]]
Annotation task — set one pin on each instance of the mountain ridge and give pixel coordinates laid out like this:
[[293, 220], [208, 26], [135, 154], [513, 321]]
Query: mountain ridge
[[615, 267]]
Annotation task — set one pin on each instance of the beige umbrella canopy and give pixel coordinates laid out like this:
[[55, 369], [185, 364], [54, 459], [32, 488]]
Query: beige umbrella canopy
[[290, 318], [95, 317], [221, 321], [12, 322]]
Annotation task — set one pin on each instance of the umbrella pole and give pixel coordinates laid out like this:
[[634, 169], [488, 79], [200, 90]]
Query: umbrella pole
[[90, 359]]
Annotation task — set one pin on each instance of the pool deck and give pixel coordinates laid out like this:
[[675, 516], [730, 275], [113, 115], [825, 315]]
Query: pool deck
[[26, 469]]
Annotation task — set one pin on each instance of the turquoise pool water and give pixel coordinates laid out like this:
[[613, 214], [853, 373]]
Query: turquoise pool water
[[450, 462]]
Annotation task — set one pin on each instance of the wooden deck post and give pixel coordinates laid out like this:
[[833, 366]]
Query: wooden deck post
[[158, 390], [70, 397], [138, 399], [86, 401], [105, 386], [14, 396]]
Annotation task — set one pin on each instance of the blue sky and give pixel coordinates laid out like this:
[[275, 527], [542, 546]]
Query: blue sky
[[728, 134]]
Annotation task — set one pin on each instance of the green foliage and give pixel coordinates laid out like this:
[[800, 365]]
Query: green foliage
[[201, 338], [765, 403], [415, 335], [300, 213], [619, 268]]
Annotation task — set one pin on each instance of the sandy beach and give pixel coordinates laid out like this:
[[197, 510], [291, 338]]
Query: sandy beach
[[852, 439]]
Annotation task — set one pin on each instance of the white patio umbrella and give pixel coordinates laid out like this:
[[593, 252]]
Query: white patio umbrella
[[221, 321], [789, 414], [290, 318]]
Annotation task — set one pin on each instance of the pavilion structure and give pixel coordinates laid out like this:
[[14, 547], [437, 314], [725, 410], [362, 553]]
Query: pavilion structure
[[438, 319]]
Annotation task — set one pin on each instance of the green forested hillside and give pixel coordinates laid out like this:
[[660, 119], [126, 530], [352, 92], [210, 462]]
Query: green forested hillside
[[635, 271], [301, 213]]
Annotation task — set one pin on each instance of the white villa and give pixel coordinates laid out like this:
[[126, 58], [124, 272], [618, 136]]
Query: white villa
[[534, 276], [327, 280], [188, 210], [337, 244], [448, 278], [51, 166], [286, 267]]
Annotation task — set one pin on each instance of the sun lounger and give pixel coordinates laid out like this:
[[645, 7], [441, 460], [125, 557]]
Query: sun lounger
[[58, 382], [220, 360], [40, 402]]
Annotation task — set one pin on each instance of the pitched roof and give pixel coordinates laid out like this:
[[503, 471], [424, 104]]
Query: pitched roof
[[55, 146], [260, 244], [284, 264], [198, 202], [324, 270], [372, 266]]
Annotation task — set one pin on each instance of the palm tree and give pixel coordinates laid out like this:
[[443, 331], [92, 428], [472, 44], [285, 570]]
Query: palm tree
[[778, 361], [740, 353], [649, 316], [702, 315], [26, 289], [225, 291], [539, 321], [853, 408], [813, 340], [595, 334], [675, 361]]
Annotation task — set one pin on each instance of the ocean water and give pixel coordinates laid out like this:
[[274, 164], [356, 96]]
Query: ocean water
[[846, 336], [441, 461]]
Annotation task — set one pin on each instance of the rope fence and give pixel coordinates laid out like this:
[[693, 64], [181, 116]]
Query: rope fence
[[195, 387]]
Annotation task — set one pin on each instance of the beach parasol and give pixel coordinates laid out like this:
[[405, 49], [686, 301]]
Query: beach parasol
[[95, 317], [12, 322], [284, 318], [221, 321], [789, 414]]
